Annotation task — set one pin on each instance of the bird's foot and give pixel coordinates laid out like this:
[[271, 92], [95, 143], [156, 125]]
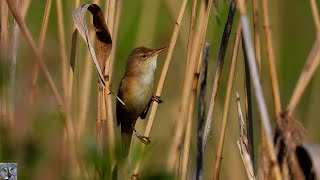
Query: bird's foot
[[145, 140], [157, 99], [135, 177]]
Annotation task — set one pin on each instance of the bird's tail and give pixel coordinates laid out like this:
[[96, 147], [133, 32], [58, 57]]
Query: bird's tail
[[126, 135]]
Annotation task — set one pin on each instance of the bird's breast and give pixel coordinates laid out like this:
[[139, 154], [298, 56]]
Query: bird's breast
[[136, 95]]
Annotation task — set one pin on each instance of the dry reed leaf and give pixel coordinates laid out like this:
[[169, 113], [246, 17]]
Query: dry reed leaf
[[104, 41], [103, 35], [243, 142]]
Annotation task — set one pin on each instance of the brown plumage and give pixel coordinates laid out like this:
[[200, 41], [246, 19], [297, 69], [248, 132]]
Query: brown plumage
[[135, 90]]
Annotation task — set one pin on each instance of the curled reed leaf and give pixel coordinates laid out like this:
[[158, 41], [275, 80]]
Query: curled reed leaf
[[104, 40], [79, 21]]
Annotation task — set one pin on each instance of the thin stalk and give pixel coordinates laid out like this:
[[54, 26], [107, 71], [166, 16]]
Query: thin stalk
[[4, 34], [187, 139], [201, 111], [219, 67], [111, 15], [256, 33], [115, 38], [227, 102], [164, 71], [99, 122], [106, 10], [107, 100], [62, 45], [248, 104], [258, 89], [187, 87], [315, 15], [77, 3], [256, 36], [25, 7], [191, 28], [271, 59], [4, 43]]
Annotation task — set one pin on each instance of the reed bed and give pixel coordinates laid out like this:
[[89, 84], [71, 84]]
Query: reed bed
[[58, 117]]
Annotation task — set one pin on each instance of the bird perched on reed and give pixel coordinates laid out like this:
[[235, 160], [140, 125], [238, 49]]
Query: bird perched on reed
[[136, 91]]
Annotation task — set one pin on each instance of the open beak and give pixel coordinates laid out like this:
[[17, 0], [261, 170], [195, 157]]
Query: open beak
[[156, 52]]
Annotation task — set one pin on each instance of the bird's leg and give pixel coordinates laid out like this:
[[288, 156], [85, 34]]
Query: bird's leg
[[143, 139], [156, 99], [143, 115]]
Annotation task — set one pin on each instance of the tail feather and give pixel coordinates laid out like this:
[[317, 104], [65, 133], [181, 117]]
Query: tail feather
[[126, 135]]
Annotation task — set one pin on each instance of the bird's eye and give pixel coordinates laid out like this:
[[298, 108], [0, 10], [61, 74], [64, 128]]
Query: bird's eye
[[143, 56]]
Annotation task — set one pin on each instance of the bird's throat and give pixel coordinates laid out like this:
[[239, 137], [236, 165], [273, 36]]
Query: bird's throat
[[147, 76]]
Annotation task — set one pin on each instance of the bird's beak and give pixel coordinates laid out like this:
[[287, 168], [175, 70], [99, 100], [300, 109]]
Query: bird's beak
[[156, 52]]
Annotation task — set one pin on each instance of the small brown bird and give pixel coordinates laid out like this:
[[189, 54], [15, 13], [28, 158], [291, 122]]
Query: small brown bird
[[136, 91]]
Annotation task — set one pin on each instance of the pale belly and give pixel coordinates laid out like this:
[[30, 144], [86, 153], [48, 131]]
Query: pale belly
[[137, 99]]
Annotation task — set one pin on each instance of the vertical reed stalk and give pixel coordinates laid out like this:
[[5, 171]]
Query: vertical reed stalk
[[256, 36], [256, 32], [161, 81], [218, 72], [187, 139], [99, 125], [201, 111], [174, 150], [4, 43], [248, 104], [63, 52], [107, 100], [258, 89], [227, 101], [271, 59], [115, 37]]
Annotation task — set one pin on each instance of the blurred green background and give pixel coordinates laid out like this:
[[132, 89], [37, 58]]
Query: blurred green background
[[150, 23]]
